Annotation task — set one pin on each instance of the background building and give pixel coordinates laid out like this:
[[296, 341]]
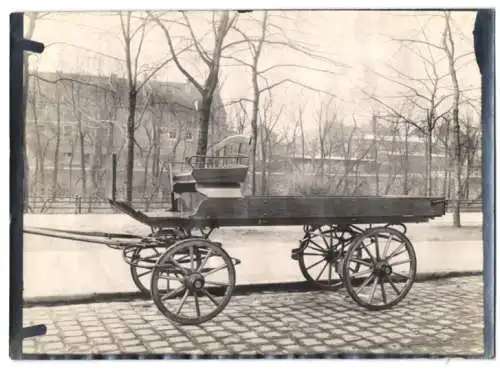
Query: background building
[[76, 122]]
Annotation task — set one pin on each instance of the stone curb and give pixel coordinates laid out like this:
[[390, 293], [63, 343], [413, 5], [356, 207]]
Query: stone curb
[[61, 300]]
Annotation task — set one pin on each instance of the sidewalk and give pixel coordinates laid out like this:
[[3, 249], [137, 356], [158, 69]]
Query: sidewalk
[[443, 317]]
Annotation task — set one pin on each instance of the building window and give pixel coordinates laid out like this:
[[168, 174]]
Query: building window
[[172, 135], [189, 136], [68, 155], [68, 130]]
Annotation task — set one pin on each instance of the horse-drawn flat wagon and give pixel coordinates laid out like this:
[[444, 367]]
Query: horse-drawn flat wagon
[[360, 240]]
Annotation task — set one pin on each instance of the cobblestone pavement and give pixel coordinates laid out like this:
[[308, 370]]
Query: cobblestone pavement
[[443, 317]]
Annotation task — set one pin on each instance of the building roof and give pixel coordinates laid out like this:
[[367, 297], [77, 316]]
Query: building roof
[[183, 95]]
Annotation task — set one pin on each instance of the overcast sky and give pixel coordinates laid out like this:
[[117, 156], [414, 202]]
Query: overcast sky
[[360, 40]]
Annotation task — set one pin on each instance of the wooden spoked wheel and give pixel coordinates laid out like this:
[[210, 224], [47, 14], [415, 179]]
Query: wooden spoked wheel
[[141, 268], [320, 255], [196, 289], [144, 260], [386, 268]]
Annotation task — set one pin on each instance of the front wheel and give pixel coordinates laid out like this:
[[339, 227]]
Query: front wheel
[[201, 284]]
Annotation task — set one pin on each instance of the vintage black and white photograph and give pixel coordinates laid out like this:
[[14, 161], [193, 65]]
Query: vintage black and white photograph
[[253, 183]]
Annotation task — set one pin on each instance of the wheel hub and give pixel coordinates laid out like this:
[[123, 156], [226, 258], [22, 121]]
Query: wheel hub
[[195, 281], [383, 269], [332, 256]]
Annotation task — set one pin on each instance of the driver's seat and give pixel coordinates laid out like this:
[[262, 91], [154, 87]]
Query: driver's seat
[[221, 174]]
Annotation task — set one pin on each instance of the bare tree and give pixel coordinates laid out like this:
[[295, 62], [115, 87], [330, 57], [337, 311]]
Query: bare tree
[[268, 140], [267, 38], [33, 17], [131, 35], [427, 95], [211, 59], [449, 48]]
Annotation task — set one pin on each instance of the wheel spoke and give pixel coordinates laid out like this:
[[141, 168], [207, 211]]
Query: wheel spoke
[[172, 293], [397, 252], [170, 278], [312, 254], [324, 239], [184, 297], [398, 292], [358, 274], [216, 283], [377, 249], [362, 286], [400, 262], [386, 247], [323, 270], [400, 275], [315, 264], [216, 270], [145, 273], [362, 262], [184, 256], [197, 304], [374, 287], [210, 296], [319, 248], [204, 261], [178, 265], [191, 257], [365, 247], [384, 298]]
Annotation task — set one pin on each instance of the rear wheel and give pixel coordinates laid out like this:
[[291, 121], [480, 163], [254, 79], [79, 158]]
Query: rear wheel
[[386, 268], [320, 255]]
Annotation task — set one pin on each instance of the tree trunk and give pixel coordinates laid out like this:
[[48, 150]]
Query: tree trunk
[[253, 124], [446, 152], [458, 170], [375, 155], [58, 142], [132, 97], [428, 164], [263, 162], [449, 47], [70, 166], [204, 123], [406, 163], [82, 156]]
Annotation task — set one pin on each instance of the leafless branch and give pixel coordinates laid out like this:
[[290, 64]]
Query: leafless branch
[[174, 53]]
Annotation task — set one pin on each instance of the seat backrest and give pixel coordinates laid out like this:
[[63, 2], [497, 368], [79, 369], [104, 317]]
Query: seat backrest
[[232, 150], [237, 142]]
